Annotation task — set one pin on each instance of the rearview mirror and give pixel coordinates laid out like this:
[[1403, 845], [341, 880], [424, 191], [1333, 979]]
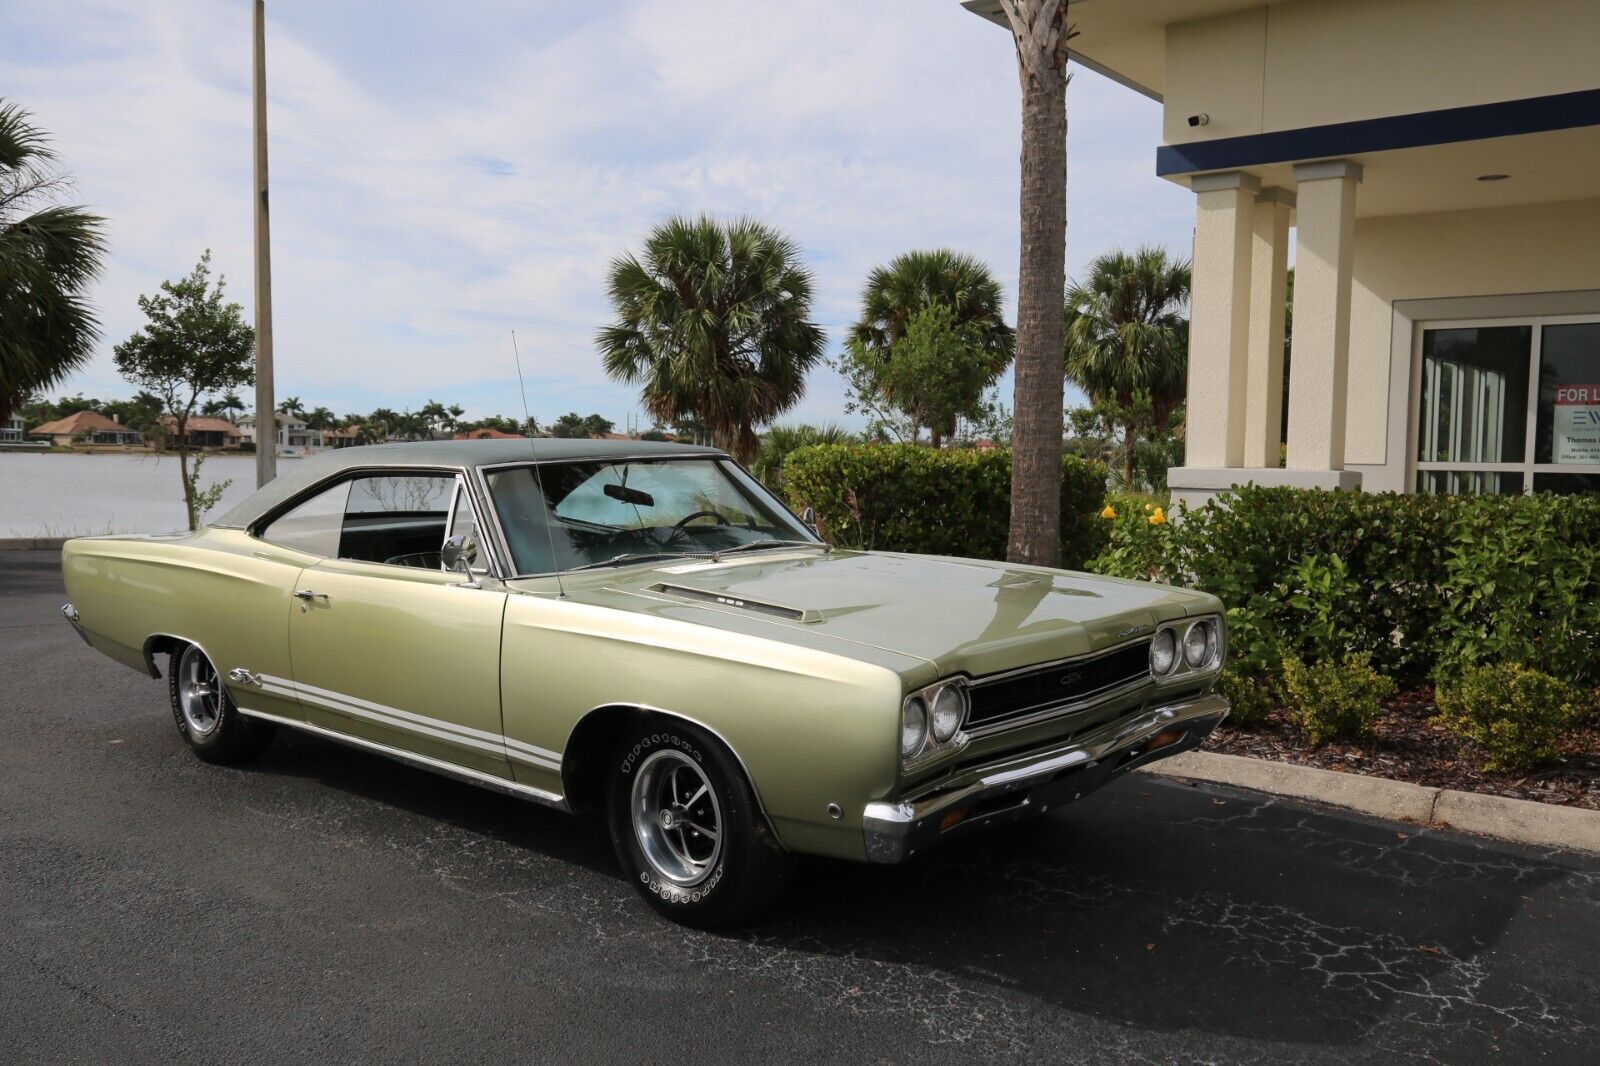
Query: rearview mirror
[[638, 497]]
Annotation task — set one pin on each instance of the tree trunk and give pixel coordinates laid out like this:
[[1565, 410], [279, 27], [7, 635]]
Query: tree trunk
[[1041, 34], [183, 472]]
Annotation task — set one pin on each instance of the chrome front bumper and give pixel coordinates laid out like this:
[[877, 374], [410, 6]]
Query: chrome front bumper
[[1016, 787]]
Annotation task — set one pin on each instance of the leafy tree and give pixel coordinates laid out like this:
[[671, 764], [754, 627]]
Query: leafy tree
[[712, 323], [934, 374], [191, 346], [971, 332], [1139, 461], [1127, 332], [49, 253], [573, 424], [1041, 32], [779, 441]]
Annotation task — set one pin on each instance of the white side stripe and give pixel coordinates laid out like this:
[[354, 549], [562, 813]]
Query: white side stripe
[[416, 723]]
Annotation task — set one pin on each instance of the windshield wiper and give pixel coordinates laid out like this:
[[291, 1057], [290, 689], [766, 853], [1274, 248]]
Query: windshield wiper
[[754, 544], [635, 557]]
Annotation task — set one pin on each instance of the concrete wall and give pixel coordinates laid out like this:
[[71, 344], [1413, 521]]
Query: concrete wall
[[1537, 248], [1321, 61]]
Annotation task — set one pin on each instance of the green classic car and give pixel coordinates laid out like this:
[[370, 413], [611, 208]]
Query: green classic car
[[644, 629]]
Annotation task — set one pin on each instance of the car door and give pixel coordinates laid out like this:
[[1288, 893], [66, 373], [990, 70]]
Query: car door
[[389, 647]]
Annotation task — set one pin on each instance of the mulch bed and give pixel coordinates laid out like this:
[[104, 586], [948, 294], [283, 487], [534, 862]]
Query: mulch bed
[[1408, 745]]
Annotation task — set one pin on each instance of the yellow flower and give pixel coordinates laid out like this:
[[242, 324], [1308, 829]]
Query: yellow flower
[[1158, 516], [1149, 507], [1109, 513]]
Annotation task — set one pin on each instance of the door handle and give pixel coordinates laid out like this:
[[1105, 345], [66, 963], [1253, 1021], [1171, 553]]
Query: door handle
[[308, 595]]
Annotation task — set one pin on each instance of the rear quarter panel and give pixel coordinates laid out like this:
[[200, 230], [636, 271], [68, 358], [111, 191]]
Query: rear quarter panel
[[221, 589]]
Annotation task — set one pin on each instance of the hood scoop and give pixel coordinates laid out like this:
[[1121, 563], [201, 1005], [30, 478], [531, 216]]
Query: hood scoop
[[740, 603]]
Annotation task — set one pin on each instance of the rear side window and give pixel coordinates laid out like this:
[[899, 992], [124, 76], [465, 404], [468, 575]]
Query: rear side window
[[398, 519], [314, 527]]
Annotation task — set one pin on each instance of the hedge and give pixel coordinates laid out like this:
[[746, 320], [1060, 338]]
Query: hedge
[[1424, 585], [903, 497]]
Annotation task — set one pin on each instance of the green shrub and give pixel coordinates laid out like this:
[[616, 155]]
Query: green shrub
[[1515, 714], [909, 498], [1335, 698], [1253, 698], [1524, 581], [1139, 537], [1424, 585]]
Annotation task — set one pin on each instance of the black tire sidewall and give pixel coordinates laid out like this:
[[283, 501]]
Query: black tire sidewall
[[235, 737], [749, 867]]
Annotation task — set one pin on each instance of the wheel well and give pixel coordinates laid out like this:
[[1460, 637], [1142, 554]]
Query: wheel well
[[583, 764], [160, 644]]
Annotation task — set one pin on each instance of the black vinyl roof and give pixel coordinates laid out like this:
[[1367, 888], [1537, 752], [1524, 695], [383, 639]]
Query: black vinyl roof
[[296, 474]]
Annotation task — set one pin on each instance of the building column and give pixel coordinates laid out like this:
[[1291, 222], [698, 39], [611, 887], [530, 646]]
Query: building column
[[1320, 352], [1269, 275], [1219, 318]]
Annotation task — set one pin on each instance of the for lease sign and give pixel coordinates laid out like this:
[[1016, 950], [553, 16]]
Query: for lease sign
[[1577, 424]]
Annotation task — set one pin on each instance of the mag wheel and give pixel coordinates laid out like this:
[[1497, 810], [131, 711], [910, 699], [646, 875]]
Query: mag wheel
[[205, 714], [687, 828]]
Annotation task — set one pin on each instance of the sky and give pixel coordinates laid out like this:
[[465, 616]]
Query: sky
[[445, 173]]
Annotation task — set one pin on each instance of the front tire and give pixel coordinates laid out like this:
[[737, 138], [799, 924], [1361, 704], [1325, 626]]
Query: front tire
[[205, 714], [687, 828]]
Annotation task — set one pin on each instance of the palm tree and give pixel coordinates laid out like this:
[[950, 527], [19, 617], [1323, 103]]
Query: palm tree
[[1127, 333], [1041, 32], [292, 406], [916, 281], [232, 405], [778, 442], [712, 323], [48, 255]]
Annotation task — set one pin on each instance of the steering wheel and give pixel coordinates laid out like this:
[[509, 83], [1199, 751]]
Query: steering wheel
[[686, 519]]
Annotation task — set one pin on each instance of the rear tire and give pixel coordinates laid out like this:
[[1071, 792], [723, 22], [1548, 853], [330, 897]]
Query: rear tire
[[687, 828], [205, 714]]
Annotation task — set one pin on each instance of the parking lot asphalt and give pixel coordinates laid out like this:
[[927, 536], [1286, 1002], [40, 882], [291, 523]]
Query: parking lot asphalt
[[326, 904]]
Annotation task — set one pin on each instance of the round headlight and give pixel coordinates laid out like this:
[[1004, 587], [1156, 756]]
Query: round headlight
[[1163, 652], [913, 727], [948, 710], [1198, 643]]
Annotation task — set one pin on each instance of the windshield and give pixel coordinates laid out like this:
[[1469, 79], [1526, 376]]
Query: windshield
[[596, 512]]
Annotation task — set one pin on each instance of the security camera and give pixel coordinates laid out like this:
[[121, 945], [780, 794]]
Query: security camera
[[1201, 119]]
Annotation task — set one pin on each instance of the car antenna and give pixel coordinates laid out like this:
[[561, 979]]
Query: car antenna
[[538, 478]]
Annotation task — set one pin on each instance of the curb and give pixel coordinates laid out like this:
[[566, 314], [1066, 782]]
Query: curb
[[24, 544], [1521, 821]]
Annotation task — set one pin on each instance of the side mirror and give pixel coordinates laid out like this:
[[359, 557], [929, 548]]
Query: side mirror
[[459, 553], [809, 517]]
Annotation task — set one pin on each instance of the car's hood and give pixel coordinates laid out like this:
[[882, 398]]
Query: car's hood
[[963, 615]]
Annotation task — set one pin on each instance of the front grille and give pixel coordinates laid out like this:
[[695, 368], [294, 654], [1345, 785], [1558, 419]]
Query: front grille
[[1016, 695]]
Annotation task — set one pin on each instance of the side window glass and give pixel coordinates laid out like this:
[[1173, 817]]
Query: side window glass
[[397, 519], [461, 523], [314, 527]]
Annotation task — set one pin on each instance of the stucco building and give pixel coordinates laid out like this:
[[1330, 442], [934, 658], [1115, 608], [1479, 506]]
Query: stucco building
[[1431, 169]]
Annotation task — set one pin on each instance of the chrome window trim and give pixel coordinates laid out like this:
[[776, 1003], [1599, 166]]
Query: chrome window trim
[[460, 473], [717, 457]]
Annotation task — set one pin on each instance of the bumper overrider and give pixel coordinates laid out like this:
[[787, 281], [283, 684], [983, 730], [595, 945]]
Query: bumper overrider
[[1016, 787]]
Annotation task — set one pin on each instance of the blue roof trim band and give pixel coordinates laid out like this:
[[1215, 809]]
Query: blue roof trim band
[[1479, 122]]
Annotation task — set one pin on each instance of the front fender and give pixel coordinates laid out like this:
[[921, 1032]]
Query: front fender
[[812, 727]]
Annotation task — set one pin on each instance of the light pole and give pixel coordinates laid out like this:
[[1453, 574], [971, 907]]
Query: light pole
[[266, 428]]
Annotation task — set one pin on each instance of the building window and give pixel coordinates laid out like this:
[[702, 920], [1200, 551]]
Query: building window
[[1508, 406]]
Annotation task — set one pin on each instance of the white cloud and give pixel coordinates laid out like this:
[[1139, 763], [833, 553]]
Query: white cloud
[[438, 183]]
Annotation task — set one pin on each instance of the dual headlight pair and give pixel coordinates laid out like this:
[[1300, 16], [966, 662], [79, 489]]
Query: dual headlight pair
[[930, 719], [1197, 646]]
